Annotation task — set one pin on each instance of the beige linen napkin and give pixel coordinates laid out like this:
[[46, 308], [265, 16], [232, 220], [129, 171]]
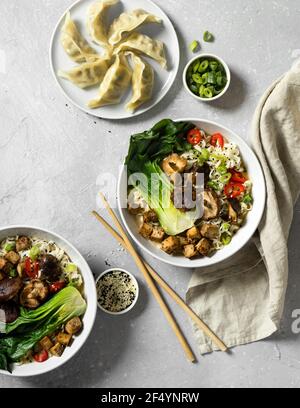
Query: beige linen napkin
[[242, 299]]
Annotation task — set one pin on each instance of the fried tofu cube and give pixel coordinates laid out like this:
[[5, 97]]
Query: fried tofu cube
[[64, 338], [193, 234], [203, 246], [57, 350], [12, 257], [3, 262], [23, 243], [170, 245], [73, 326], [183, 241], [158, 234], [210, 231], [150, 216], [46, 343], [146, 230], [189, 251]]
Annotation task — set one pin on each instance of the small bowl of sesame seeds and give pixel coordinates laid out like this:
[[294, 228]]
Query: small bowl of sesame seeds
[[117, 291]]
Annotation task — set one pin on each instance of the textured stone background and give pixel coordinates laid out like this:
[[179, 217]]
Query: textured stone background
[[51, 155]]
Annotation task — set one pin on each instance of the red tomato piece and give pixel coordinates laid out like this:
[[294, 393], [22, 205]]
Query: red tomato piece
[[194, 137], [234, 190], [41, 356], [31, 270], [57, 286], [217, 138], [238, 177]]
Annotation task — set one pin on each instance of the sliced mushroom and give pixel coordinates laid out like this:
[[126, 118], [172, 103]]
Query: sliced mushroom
[[211, 205], [50, 268], [23, 243], [174, 164], [9, 288], [34, 294], [233, 216]]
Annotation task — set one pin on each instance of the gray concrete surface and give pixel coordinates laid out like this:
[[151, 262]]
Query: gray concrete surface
[[51, 155]]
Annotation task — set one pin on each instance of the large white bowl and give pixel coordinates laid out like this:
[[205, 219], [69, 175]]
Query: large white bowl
[[34, 368], [242, 236]]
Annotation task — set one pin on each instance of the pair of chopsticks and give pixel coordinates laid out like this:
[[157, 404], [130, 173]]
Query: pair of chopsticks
[[150, 276]]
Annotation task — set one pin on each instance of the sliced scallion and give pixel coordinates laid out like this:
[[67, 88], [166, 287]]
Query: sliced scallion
[[208, 37], [194, 45]]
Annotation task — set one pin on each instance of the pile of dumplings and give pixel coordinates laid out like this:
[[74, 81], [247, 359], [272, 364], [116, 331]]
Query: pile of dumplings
[[112, 70]]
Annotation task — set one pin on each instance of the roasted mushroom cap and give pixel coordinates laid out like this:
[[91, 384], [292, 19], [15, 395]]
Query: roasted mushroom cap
[[9, 288], [211, 205], [9, 312], [34, 294], [50, 268]]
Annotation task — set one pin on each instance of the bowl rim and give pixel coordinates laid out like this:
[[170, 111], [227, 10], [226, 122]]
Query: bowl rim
[[88, 298], [227, 70], [172, 260], [136, 297]]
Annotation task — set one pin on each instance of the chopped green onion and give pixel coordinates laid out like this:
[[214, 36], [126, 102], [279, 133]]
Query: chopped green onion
[[13, 273], [222, 169], [213, 65], [196, 66], [208, 37], [34, 252], [9, 247], [226, 239], [205, 154], [201, 91], [225, 227], [225, 178], [248, 199], [208, 93], [203, 66], [71, 268], [197, 78], [194, 45], [214, 185]]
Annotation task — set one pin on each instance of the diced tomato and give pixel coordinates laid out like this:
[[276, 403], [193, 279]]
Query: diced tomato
[[41, 356], [194, 136], [57, 286], [234, 190], [238, 177], [32, 270], [217, 138]]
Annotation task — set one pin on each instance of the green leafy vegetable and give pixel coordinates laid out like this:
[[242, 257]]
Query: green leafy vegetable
[[146, 152], [33, 325], [248, 199], [194, 45], [208, 37]]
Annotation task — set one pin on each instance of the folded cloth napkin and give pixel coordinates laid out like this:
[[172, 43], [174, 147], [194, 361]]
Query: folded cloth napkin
[[242, 299]]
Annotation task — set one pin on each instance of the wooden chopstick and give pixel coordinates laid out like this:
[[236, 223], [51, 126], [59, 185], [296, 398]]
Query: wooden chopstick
[[188, 351], [202, 326]]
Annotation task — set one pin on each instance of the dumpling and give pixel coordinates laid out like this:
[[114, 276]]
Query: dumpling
[[114, 84], [96, 22], [128, 22], [87, 74], [74, 44], [142, 83], [141, 43]]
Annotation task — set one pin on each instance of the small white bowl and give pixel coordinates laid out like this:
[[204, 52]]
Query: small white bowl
[[227, 70], [135, 284]]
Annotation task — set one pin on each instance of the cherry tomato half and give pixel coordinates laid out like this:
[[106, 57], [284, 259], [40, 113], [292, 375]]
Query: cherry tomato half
[[234, 190], [238, 177], [194, 137], [217, 138], [41, 356], [31, 269], [57, 286]]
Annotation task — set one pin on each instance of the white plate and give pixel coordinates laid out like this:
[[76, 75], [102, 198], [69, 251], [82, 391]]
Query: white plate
[[32, 369], [163, 79], [243, 235]]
